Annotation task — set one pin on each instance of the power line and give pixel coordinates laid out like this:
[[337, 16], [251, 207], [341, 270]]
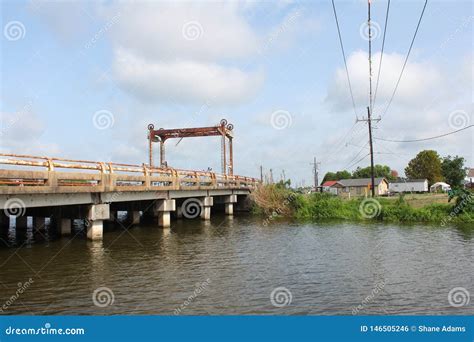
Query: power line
[[406, 59], [357, 162], [344, 56], [381, 53], [425, 139]]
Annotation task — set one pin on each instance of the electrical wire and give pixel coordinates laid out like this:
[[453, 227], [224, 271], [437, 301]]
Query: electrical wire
[[425, 139], [344, 56], [381, 53], [406, 59]]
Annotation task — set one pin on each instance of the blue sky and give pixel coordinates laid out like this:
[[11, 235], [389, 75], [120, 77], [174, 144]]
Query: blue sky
[[274, 70]]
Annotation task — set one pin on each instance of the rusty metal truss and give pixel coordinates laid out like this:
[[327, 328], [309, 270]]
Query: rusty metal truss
[[223, 129]]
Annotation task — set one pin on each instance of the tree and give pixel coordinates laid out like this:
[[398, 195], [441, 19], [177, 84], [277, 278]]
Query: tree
[[379, 171], [426, 164], [332, 176], [343, 175], [453, 171]]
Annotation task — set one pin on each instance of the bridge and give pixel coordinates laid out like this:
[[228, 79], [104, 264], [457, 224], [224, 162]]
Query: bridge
[[64, 189]]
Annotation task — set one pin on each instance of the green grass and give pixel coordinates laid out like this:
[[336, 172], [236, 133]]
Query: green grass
[[317, 207]]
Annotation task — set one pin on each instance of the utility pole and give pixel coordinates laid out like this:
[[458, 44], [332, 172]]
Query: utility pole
[[261, 173], [271, 176], [369, 108], [315, 173]]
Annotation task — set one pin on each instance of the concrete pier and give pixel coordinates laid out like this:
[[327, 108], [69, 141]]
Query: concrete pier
[[207, 203], [134, 217], [97, 213], [65, 226], [163, 208], [21, 223], [39, 223], [229, 204]]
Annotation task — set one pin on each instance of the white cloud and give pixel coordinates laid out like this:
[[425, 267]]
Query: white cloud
[[419, 81], [184, 81], [154, 30]]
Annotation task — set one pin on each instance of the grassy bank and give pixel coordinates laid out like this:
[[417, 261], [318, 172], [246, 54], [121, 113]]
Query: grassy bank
[[277, 201]]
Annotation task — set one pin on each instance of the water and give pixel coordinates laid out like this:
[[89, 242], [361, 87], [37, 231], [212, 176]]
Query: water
[[232, 266]]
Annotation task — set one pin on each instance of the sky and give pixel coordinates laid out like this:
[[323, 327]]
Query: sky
[[83, 80]]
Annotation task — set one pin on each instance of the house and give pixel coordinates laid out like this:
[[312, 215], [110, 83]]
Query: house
[[361, 187], [440, 186], [331, 186], [469, 180], [408, 185]]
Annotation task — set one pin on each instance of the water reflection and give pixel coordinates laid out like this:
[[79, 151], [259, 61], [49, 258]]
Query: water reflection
[[329, 268]]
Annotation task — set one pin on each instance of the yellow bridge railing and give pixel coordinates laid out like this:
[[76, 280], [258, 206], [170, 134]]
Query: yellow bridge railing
[[35, 174]]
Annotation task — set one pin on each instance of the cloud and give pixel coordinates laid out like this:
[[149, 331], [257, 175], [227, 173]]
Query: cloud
[[184, 52], [184, 81], [21, 132], [164, 30], [419, 81]]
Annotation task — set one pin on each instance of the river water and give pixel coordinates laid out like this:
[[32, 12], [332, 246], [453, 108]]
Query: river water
[[239, 266]]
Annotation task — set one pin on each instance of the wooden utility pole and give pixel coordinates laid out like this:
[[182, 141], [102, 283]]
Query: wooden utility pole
[[369, 108], [261, 173]]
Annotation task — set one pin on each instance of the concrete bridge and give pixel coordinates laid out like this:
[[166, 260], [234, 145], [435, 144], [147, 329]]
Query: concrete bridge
[[64, 189]]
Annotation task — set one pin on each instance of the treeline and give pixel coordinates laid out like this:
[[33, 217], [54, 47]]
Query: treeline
[[427, 164]]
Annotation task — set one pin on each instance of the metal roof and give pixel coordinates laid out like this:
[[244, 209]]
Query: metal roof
[[360, 181]]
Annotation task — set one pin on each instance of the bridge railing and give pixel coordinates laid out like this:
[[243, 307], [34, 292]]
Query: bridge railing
[[34, 174]]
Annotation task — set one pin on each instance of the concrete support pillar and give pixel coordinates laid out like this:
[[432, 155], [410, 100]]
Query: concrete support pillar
[[207, 203], [163, 209], [206, 213], [164, 219], [65, 226], [39, 223], [179, 212], [21, 223], [229, 208], [95, 230], [96, 216], [4, 220], [229, 204], [134, 217]]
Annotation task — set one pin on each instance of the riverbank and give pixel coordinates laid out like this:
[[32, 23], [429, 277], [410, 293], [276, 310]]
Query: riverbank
[[274, 200]]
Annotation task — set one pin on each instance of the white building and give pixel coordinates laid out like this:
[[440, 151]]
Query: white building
[[409, 185], [440, 186]]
